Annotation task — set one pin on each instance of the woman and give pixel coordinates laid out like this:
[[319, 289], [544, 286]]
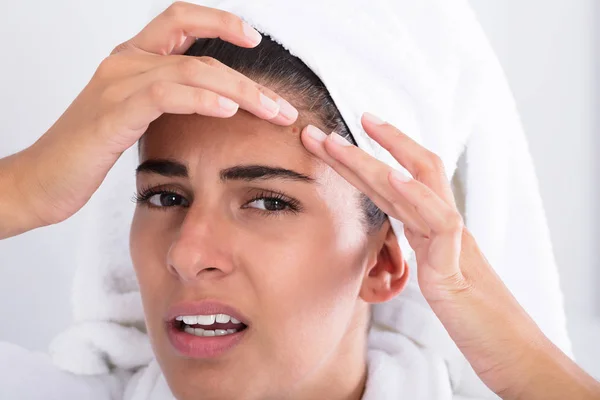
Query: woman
[[234, 219]]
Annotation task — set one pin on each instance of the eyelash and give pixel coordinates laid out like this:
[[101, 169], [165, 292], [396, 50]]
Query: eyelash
[[291, 205], [144, 195]]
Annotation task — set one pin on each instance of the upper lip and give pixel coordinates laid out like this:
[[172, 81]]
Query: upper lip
[[204, 307]]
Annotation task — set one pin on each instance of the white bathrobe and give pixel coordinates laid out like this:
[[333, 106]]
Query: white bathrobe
[[32, 376], [398, 368]]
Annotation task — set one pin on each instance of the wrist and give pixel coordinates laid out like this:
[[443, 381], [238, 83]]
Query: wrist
[[16, 215], [59, 173]]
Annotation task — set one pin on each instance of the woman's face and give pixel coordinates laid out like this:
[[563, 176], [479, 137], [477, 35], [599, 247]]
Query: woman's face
[[237, 218]]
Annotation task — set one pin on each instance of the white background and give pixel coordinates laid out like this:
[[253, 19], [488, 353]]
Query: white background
[[550, 50]]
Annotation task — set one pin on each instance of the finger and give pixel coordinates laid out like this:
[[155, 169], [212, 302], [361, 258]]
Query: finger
[[210, 74], [174, 30], [287, 115], [127, 64], [373, 183], [443, 248], [143, 107], [441, 217], [424, 165], [439, 254]]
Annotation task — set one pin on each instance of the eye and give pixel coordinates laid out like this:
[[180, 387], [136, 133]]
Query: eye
[[161, 199], [269, 204], [167, 199]]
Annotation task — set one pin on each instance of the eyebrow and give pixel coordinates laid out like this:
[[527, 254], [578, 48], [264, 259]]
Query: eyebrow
[[260, 172], [164, 167], [171, 168]]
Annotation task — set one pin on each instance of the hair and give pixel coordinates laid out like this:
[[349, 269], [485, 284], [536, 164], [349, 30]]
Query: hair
[[272, 65]]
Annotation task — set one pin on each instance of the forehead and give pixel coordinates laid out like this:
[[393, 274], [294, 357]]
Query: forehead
[[240, 139]]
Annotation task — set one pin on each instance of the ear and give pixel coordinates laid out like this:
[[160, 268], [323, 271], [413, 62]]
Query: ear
[[387, 272]]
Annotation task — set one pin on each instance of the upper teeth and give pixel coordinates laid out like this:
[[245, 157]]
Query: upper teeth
[[206, 319]]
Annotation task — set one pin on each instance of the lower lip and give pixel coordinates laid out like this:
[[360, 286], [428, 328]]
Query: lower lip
[[203, 346]]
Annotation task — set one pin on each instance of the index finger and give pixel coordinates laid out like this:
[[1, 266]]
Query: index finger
[[424, 166], [175, 30]]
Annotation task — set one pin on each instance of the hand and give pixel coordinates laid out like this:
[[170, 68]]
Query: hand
[[142, 79], [505, 347]]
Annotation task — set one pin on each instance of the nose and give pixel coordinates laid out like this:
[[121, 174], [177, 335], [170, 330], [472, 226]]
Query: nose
[[200, 249]]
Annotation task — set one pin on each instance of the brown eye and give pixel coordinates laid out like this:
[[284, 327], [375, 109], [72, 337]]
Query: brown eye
[[167, 200], [269, 204]]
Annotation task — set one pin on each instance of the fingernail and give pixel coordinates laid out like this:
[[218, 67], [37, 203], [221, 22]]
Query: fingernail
[[269, 104], [287, 110], [401, 176], [316, 133], [337, 139], [373, 119], [227, 104], [252, 34]]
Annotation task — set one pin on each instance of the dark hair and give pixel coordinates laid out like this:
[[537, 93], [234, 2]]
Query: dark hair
[[272, 65]]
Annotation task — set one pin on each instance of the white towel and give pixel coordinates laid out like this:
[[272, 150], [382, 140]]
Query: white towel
[[426, 67]]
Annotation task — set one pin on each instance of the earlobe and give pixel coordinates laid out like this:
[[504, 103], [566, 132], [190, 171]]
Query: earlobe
[[388, 273]]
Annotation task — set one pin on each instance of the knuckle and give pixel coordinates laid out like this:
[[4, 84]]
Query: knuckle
[[189, 68], [246, 90], [396, 134], [106, 67], [210, 61], [432, 162], [121, 47], [176, 10], [454, 222], [206, 102], [158, 91], [202, 99]]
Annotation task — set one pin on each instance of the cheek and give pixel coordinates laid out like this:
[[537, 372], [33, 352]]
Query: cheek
[[306, 259], [307, 286], [148, 245]]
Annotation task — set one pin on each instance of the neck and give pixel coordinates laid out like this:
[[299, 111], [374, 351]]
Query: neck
[[343, 375]]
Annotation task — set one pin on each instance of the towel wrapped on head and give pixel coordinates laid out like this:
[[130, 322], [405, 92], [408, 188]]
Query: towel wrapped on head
[[426, 67]]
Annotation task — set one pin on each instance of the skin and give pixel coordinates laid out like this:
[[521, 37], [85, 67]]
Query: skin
[[501, 342], [52, 179], [304, 279]]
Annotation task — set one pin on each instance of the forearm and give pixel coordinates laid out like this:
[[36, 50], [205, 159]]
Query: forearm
[[15, 215], [553, 375]]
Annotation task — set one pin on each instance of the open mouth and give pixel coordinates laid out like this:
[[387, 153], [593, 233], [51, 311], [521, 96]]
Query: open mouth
[[208, 325], [205, 329]]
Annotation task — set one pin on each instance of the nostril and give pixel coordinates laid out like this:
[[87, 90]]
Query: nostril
[[210, 269]]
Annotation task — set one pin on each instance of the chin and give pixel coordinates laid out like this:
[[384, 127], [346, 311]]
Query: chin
[[191, 379], [213, 389]]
